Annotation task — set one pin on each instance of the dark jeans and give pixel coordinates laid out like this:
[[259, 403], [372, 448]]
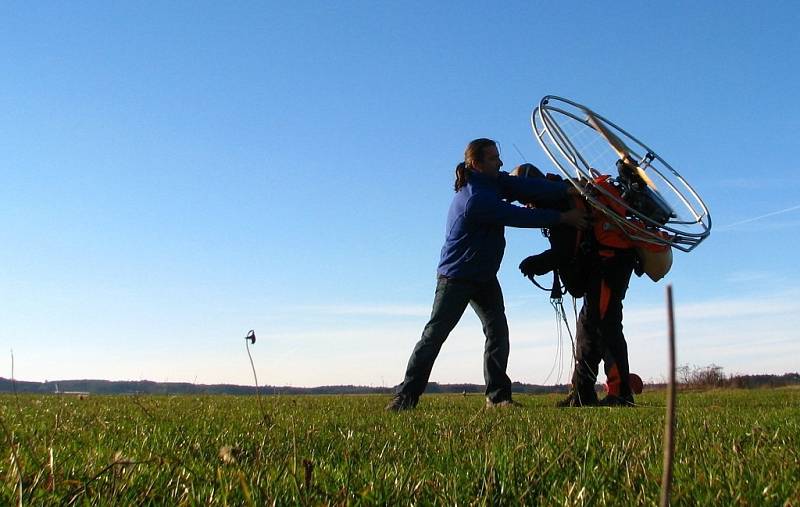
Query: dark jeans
[[599, 335], [452, 297]]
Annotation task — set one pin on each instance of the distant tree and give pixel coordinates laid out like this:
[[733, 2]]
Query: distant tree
[[701, 376], [754, 381]]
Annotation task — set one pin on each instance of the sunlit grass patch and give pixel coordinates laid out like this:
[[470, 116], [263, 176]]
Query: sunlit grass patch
[[733, 447]]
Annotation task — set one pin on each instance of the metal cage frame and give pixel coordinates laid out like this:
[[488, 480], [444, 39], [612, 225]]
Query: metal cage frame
[[562, 152]]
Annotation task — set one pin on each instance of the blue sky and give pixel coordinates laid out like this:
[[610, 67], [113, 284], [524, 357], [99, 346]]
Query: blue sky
[[174, 175]]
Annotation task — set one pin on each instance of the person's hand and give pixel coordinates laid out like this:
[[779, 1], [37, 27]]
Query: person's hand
[[581, 187], [577, 218], [540, 264], [528, 267]]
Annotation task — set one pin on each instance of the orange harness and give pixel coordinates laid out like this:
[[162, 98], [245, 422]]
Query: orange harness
[[611, 234]]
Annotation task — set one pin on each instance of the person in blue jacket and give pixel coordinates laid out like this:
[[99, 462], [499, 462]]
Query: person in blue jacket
[[470, 258]]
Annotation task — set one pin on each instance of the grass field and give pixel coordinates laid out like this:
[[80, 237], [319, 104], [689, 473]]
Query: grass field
[[732, 448]]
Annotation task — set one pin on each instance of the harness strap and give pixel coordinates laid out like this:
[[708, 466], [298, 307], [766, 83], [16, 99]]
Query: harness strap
[[556, 292], [605, 298], [613, 380]]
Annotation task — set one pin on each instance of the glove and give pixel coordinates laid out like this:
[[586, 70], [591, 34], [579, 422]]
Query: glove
[[538, 264]]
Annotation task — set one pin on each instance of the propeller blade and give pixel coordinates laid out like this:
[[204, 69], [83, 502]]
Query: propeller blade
[[619, 147], [645, 178], [614, 141]]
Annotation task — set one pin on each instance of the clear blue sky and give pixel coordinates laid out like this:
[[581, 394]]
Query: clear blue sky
[[175, 174]]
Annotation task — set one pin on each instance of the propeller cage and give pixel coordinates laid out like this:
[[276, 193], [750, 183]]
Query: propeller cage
[[674, 215]]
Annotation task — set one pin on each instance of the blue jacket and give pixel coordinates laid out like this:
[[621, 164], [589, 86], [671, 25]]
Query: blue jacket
[[475, 241]]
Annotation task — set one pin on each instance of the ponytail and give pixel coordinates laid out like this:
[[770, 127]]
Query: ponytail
[[462, 175]]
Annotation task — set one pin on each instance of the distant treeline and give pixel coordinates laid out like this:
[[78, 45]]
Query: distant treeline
[[149, 387], [702, 378], [751, 381], [714, 376]]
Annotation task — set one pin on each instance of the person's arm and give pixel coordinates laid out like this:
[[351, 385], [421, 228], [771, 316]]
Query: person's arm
[[531, 189], [485, 208]]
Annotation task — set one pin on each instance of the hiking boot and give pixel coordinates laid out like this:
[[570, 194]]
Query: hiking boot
[[575, 399], [502, 403], [401, 402], [618, 401]]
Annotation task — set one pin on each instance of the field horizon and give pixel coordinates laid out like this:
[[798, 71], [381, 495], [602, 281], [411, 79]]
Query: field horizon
[[697, 376]]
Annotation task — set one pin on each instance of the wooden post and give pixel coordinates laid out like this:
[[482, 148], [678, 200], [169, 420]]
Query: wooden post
[[669, 424]]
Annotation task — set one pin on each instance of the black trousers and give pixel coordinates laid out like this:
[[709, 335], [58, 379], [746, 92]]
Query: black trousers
[[450, 301], [599, 333]]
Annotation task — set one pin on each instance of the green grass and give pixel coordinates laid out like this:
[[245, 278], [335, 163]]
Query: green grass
[[733, 448]]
